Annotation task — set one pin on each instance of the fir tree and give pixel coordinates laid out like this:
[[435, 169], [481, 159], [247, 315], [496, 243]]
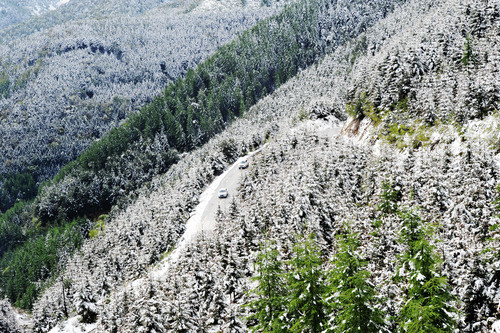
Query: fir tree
[[305, 310], [353, 300], [427, 305], [389, 198], [270, 291]]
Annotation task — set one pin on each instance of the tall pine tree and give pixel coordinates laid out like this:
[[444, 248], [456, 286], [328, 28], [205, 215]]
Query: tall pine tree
[[428, 300], [306, 308], [270, 291], [352, 300]]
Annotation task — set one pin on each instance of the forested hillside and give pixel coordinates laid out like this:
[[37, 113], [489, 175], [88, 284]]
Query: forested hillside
[[63, 87], [14, 12], [413, 202], [191, 111], [379, 179]]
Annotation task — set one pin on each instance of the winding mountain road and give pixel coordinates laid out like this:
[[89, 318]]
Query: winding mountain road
[[203, 219], [230, 181]]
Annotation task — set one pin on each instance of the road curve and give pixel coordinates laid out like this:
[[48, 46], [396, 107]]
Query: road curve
[[203, 217]]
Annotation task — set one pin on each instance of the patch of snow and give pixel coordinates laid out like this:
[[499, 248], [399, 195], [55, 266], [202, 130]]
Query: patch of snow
[[330, 127], [495, 328], [36, 10], [73, 325], [456, 147], [22, 319], [62, 2], [484, 128], [497, 159]]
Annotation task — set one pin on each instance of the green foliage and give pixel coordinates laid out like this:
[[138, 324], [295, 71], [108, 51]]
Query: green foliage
[[229, 149], [427, 305], [292, 300], [306, 308], [21, 81], [99, 226], [468, 57], [11, 221], [303, 297], [389, 198], [395, 133], [16, 187], [421, 137], [270, 292], [27, 267], [4, 85], [362, 107], [402, 104], [303, 115], [356, 108], [377, 223], [411, 232], [353, 299]]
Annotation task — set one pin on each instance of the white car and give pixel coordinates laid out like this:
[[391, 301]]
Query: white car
[[243, 164], [223, 193]]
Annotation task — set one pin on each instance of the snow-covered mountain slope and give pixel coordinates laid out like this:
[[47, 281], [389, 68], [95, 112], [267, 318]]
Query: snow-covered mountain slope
[[432, 74], [308, 180], [62, 88], [64, 11], [15, 12]]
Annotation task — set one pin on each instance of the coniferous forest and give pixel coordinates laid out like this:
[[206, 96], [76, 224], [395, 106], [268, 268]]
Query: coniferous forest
[[370, 202]]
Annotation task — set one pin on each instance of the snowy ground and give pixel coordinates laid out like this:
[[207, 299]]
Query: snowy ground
[[23, 320], [73, 325], [496, 327], [329, 127]]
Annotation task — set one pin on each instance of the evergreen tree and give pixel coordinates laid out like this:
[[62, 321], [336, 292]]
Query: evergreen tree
[[305, 307], [427, 305], [353, 300], [270, 291], [389, 198], [86, 305]]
